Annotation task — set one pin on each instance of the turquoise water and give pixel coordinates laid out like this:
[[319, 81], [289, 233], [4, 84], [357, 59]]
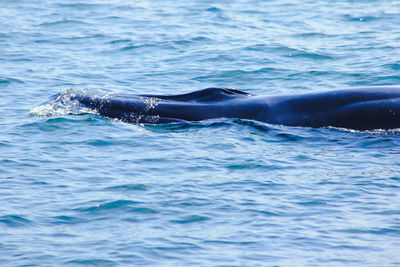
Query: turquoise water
[[81, 190]]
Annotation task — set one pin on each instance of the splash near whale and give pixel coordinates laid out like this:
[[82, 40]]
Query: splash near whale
[[359, 109]]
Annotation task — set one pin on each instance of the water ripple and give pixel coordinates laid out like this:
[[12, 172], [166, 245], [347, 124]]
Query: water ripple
[[191, 219], [123, 205], [128, 187], [15, 221], [79, 189]]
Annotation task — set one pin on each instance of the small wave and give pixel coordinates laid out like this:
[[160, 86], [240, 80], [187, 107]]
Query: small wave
[[85, 37], [118, 41], [210, 123], [118, 205], [63, 22], [392, 66], [5, 144], [191, 219], [139, 46], [228, 75], [64, 219], [185, 125], [8, 81], [214, 9], [91, 262], [14, 221], [195, 40], [251, 166], [260, 126], [313, 35], [127, 187], [82, 6], [310, 55], [361, 18]]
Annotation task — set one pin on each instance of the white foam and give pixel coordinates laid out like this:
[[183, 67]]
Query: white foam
[[62, 104]]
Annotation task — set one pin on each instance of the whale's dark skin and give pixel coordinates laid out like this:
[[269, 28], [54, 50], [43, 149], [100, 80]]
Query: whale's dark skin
[[360, 109]]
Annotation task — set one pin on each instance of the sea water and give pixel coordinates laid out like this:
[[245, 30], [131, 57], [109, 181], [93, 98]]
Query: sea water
[[81, 190]]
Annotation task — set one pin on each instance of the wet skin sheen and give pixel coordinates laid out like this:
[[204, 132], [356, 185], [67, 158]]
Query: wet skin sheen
[[361, 109]]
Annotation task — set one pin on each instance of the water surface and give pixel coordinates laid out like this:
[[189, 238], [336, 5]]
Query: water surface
[[81, 190]]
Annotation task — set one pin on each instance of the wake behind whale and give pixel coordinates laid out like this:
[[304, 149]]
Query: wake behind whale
[[359, 109]]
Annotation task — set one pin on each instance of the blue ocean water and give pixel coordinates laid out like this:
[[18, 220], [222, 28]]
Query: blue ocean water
[[81, 190]]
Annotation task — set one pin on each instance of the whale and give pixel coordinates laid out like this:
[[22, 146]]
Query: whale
[[355, 108]]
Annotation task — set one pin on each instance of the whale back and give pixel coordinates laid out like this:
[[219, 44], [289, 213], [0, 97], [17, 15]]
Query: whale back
[[207, 95], [361, 109]]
